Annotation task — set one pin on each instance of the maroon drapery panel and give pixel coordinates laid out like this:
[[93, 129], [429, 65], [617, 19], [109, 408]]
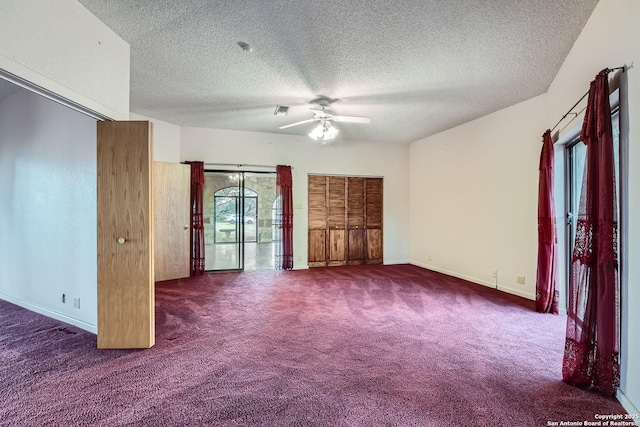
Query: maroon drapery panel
[[197, 222], [284, 185], [546, 294], [591, 348]]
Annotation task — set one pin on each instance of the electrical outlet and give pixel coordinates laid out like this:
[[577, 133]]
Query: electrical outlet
[[64, 298], [299, 257], [429, 257], [76, 302], [520, 280], [495, 273]]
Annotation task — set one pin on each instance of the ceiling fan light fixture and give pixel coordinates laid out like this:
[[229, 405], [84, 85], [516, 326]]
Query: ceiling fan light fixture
[[317, 132], [331, 133], [324, 132]]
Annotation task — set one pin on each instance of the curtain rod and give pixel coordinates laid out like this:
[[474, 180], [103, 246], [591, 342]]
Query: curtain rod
[[609, 70], [241, 165]]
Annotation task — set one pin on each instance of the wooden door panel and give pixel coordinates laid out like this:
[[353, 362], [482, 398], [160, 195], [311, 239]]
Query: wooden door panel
[[355, 253], [355, 202], [317, 195], [317, 248], [171, 190], [337, 247], [337, 203], [126, 315], [350, 211], [374, 199], [374, 246]]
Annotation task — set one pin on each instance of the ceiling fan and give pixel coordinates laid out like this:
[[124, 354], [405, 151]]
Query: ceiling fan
[[325, 131]]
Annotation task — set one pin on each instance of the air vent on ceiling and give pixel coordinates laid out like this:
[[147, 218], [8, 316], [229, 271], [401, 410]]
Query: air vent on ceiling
[[281, 110]]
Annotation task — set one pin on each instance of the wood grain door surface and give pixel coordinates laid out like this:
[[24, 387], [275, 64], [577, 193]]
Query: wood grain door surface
[[355, 220], [126, 314], [374, 215], [317, 226], [171, 199], [345, 220], [336, 220]]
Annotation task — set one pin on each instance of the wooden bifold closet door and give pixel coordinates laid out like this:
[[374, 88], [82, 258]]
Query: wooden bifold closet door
[[355, 221], [345, 220]]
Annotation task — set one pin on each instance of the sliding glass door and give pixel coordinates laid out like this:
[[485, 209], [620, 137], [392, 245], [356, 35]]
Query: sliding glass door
[[238, 223], [575, 168], [223, 221]]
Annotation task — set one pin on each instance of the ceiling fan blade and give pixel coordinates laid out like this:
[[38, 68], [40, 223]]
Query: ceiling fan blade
[[298, 123], [352, 119], [321, 112]]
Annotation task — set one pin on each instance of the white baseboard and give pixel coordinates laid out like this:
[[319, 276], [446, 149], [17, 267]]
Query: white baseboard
[[50, 313], [394, 262], [476, 280], [627, 404]]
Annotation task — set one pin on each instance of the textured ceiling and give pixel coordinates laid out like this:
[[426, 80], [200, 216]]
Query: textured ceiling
[[415, 67]]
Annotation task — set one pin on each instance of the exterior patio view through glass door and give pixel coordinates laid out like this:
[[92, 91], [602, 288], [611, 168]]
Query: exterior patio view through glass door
[[238, 223]]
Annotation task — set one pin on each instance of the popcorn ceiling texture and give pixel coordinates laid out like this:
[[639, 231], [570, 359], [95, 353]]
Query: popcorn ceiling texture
[[415, 67]]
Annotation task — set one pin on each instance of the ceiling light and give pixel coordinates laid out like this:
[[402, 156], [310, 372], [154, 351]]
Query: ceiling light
[[324, 132], [317, 132]]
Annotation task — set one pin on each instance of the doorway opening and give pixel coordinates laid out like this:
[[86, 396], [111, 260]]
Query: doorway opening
[[238, 224]]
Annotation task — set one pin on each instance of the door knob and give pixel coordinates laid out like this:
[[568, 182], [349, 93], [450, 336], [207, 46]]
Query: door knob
[[121, 240], [186, 227]]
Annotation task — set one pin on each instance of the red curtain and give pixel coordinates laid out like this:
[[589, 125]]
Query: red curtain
[[546, 294], [197, 222], [592, 343], [284, 185]]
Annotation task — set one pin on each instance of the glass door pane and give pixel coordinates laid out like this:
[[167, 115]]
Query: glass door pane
[[259, 196], [576, 162], [577, 159], [223, 224]]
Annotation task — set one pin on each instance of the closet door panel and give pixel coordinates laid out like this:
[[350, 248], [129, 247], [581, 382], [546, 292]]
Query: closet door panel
[[317, 195], [355, 220], [374, 202], [356, 245], [337, 246], [317, 248], [374, 246], [126, 316], [355, 202], [337, 193], [336, 220], [172, 216], [373, 218]]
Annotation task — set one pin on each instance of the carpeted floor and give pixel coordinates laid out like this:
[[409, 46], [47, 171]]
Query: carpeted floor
[[346, 346]]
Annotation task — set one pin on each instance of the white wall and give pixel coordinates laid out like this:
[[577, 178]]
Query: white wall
[[473, 198], [308, 157], [166, 139], [610, 39], [48, 208], [60, 46], [474, 187]]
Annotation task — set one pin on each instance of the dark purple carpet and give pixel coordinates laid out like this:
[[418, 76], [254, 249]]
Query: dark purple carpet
[[346, 346]]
